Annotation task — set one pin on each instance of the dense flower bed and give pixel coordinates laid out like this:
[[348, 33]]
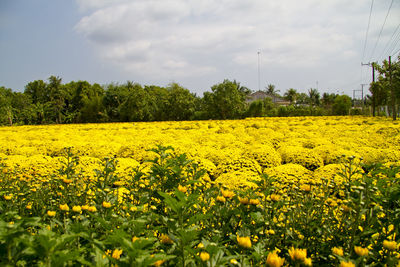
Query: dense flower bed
[[293, 191]]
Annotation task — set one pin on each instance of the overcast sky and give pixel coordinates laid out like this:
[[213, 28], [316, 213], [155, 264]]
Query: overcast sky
[[197, 43]]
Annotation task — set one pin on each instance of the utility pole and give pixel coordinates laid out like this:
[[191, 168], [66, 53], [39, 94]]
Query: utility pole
[[392, 89], [371, 64], [373, 81], [258, 53]]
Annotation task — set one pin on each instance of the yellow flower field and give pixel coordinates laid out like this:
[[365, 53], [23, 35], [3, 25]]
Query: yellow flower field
[[233, 152], [256, 192]]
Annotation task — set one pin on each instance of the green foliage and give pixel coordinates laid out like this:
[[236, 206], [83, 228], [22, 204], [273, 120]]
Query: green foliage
[[171, 214], [341, 105]]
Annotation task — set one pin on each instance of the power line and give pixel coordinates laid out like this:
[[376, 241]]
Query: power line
[[366, 34], [387, 49], [398, 50], [379, 36], [394, 45]]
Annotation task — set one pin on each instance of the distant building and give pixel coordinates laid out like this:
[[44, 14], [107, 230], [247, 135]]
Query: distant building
[[261, 95]]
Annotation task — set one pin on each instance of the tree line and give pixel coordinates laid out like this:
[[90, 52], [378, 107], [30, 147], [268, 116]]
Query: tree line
[[51, 101]]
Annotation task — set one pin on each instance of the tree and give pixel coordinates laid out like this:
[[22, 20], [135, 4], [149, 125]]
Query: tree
[[181, 105], [37, 91], [271, 90], [158, 100], [256, 109], [387, 85], [6, 109], [56, 97], [291, 95], [115, 95], [341, 105], [136, 106], [313, 97], [226, 101]]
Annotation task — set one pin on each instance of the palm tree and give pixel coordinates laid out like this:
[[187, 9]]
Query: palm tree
[[313, 97], [291, 95], [270, 89]]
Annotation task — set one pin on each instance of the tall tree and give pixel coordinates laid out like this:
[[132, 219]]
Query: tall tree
[[226, 101], [313, 97], [6, 109], [181, 105], [291, 95], [136, 106], [56, 97]]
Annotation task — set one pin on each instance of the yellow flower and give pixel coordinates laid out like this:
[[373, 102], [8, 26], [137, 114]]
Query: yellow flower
[[183, 189], [158, 263], [273, 260], [221, 199], [64, 207], [227, 193], [116, 254], [106, 204], [244, 200], [307, 262], [200, 245], [244, 241], [270, 232], [347, 264], [390, 245], [275, 197], [85, 207], [7, 197], [67, 181], [134, 239], [77, 209], [204, 256], [360, 251], [234, 262], [297, 254], [29, 206], [119, 183], [305, 187], [337, 251], [92, 209], [165, 239], [51, 213], [254, 201]]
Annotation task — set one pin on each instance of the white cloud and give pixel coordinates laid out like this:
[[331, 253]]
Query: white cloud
[[191, 38]]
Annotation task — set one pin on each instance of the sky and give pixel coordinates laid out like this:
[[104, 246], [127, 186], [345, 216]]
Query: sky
[[198, 43]]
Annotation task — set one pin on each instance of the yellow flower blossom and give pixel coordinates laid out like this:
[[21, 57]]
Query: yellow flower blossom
[[297, 254], [165, 239], [116, 254], [273, 260], [77, 209], [244, 241], [51, 213], [390, 245], [106, 204], [347, 264], [244, 200], [221, 199], [158, 263], [254, 201], [275, 197], [181, 188], [360, 251], [227, 193], [64, 207], [337, 251], [204, 256], [92, 209]]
